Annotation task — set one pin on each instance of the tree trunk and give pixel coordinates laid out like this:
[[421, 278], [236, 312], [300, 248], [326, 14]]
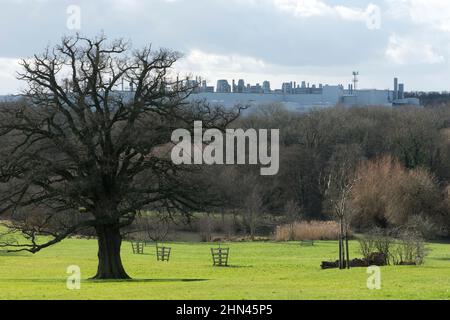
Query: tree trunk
[[341, 246], [346, 246], [109, 261], [252, 230], [252, 234]]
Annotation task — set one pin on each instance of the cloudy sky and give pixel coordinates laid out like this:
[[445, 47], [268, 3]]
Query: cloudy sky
[[319, 41]]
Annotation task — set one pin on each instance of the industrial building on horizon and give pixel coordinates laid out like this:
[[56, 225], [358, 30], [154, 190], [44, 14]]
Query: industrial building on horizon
[[301, 96]]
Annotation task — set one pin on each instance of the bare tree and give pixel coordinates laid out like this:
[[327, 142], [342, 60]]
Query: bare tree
[[293, 213], [341, 210], [339, 189], [78, 144], [253, 210]]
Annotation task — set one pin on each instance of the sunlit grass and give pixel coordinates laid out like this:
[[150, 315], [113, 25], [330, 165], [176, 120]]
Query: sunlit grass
[[257, 271]]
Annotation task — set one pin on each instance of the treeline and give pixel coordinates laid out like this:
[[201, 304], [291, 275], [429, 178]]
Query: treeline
[[431, 99], [399, 159]]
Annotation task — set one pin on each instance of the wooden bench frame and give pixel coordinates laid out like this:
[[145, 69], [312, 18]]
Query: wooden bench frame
[[163, 253], [220, 256], [138, 247]]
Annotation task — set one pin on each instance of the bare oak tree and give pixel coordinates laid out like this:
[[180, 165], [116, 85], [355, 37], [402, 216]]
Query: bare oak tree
[[81, 153]]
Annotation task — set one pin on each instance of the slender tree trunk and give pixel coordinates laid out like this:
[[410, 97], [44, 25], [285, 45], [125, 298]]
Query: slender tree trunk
[[252, 232], [109, 261], [340, 251], [346, 247], [341, 245]]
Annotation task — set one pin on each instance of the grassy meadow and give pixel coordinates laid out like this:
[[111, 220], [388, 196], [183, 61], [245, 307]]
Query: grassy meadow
[[270, 270]]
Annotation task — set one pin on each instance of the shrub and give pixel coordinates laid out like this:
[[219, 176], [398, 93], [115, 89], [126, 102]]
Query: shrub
[[386, 194], [377, 242], [314, 230], [366, 246], [410, 249], [399, 247]]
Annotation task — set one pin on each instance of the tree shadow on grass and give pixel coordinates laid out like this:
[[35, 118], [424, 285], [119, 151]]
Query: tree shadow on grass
[[232, 267], [143, 280], [103, 281], [442, 258], [43, 280], [14, 254]]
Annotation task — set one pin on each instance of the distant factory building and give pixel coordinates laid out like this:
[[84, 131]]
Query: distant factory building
[[305, 96], [399, 96]]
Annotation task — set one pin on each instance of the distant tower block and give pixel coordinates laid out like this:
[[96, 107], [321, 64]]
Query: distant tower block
[[355, 80], [241, 86], [395, 88], [401, 91], [266, 86]]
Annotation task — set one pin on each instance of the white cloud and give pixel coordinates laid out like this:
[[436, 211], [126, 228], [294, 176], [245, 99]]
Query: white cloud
[[207, 62], [8, 81], [214, 66], [304, 8], [311, 8], [404, 50], [126, 5], [352, 14], [431, 13]]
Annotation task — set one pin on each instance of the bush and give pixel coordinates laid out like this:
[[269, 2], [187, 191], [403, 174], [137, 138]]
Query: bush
[[410, 249], [314, 230], [377, 242], [366, 246], [386, 194], [399, 247]]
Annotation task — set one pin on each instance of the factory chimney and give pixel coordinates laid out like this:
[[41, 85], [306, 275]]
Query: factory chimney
[[395, 89]]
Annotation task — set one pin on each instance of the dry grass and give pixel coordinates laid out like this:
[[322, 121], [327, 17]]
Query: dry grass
[[314, 230]]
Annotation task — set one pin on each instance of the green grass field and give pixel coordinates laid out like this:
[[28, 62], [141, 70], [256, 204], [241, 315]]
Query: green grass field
[[257, 271]]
